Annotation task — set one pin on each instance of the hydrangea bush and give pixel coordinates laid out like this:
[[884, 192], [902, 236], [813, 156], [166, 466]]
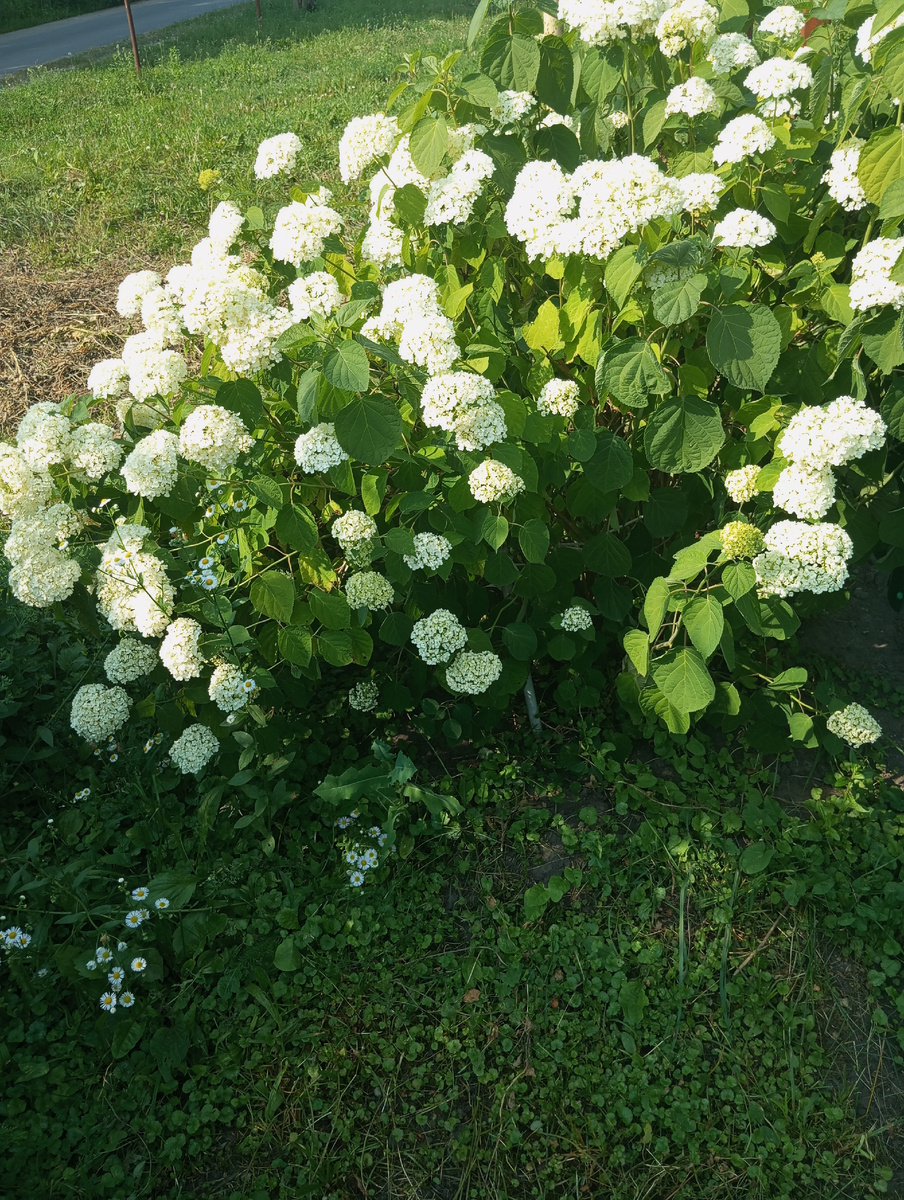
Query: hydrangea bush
[[590, 374]]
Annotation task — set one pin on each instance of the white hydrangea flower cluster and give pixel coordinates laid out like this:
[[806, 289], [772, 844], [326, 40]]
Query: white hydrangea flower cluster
[[301, 228], [472, 672], [152, 370], [438, 636], [871, 284], [46, 437], [839, 433], [741, 484], [854, 725], [229, 688], [315, 294], [318, 449], [108, 379], [93, 451], [492, 480], [730, 52], [214, 437], [98, 712], [194, 749], [559, 398], [744, 228], [224, 226], [614, 198], [867, 40], [352, 528], [161, 317], [575, 619], [42, 573], [365, 139], [784, 23], [841, 178], [133, 290], [741, 137], [276, 154], [383, 239], [464, 403], [367, 589], [451, 199], [773, 81], [601, 22], [364, 696], [805, 493], [151, 470], [700, 192], [740, 540], [133, 594], [411, 315], [129, 660], [693, 98], [510, 107], [430, 552], [179, 650], [618, 120], [686, 22], [803, 558], [555, 118], [24, 488]]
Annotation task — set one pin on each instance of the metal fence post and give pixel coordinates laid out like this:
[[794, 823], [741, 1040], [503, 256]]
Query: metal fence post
[[134, 39]]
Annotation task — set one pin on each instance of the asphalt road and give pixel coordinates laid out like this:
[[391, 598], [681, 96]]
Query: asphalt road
[[46, 43]]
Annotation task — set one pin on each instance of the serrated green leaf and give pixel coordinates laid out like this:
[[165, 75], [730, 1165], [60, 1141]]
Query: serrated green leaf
[[369, 428], [265, 489], [637, 648], [703, 619], [678, 301], [330, 608], [520, 640], [533, 538], [273, 595], [607, 555], [347, 367], [296, 528], [683, 435], [294, 644], [881, 162], [631, 372], [512, 62], [683, 679], [744, 343], [555, 77], [655, 604]]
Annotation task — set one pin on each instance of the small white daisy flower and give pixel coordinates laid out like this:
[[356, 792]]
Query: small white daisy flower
[[209, 582], [374, 831], [139, 964], [140, 893], [108, 1002], [161, 903], [134, 918], [355, 878], [91, 965], [117, 975], [102, 954], [127, 999], [240, 505]]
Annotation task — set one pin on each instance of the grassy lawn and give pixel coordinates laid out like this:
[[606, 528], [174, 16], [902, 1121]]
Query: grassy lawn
[[94, 164]]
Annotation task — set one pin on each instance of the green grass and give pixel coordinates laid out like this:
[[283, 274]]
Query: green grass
[[37, 12], [95, 165]]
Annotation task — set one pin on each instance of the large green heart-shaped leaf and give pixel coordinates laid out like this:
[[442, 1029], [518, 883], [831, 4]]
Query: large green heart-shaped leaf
[[683, 435], [512, 62], [273, 595], [676, 302], [881, 162], [369, 428], [683, 679], [743, 343], [631, 372], [704, 621], [347, 367]]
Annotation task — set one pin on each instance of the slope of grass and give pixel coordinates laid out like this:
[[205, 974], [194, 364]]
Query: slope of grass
[[94, 163], [26, 13]]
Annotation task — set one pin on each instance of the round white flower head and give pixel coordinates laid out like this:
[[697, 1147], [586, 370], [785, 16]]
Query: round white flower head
[[23, 488], [844, 430], [745, 135], [317, 293], [451, 199], [464, 403], [98, 712], [301, 228], [108, 1002], [618, 120], [139, 964], [133, 591], [601, 22], [151, 470], [693, 98], [108, 379], [804, 493], [867, 40], [194, 749], [276, 154], [365, 139], [353, 527], [473, 672], [129, 661], [225, 225], [687, 21], [152, 371], [842, 179], [179, 650], [575, 618], [492, 480], [784, 23], [42, 573], [729, 52], [854, 725], [778, 77], [511, 107], [743, 227], [554, 118], [364, 696], [161, 316], [44, 434], [803, 558], [438, 636], [93, 451], [367, 589], [871, 285], [741, 484], [132, 291], [700, 192], [214, 437], [227, 688], [559, 398], [430, 552], [412, 316], [318, 449], [740, 540]]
